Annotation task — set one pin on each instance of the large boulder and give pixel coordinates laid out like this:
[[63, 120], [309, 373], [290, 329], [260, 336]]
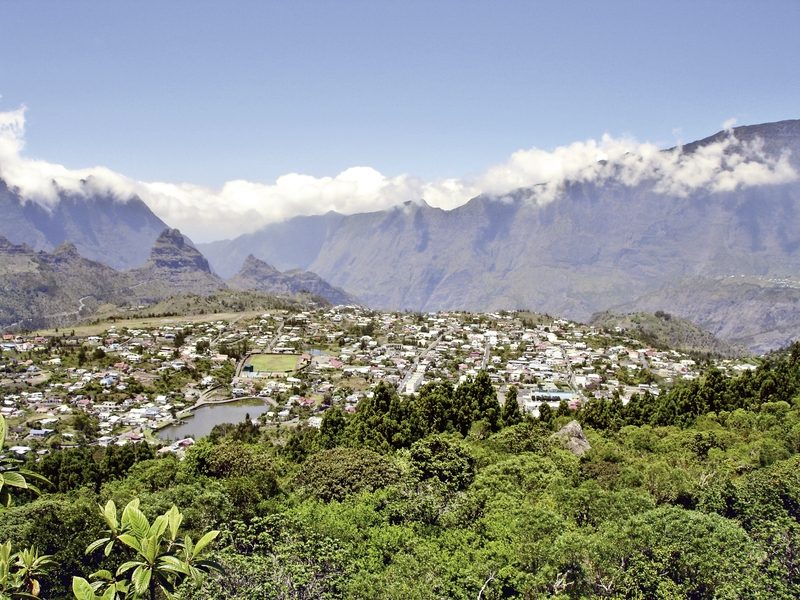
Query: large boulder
[[572, 438]]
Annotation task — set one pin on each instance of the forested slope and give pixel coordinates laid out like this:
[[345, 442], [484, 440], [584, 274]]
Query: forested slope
[[692, 494]]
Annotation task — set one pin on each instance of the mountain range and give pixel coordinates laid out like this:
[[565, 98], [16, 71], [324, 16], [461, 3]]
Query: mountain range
[[40, 288], [116, 232], [726, 257], [601, 245]]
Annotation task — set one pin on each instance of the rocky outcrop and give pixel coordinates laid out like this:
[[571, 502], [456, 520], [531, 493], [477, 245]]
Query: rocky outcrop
[[572, 438], [40, 289], [175, 266]]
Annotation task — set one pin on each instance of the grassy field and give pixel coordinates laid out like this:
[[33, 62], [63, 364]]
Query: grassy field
[[273, 363]]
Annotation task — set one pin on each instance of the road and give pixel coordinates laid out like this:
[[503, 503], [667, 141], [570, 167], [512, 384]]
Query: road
[[572, 383], [420, 356], [486, 354], [68, 313]]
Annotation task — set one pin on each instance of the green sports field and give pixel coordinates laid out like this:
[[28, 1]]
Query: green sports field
[[273, 363]]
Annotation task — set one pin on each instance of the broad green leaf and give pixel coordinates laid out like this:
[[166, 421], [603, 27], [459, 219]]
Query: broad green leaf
[[82, 589], [96, 544], [174, 565], [33, 475], [127, 566], [103, 574], [130, 541], [203, 542], [150, 548], [209, 565], [109, 594], [110, 515], [134, 519], [175, 519], [2, 431], [141, 579], [158, 527], [14, 479]]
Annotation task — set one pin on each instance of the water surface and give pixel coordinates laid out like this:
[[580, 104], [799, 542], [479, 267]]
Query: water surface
[[209, 415]]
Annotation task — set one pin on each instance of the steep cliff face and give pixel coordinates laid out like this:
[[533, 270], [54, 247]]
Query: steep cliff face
[[175, 266], [110, 230]]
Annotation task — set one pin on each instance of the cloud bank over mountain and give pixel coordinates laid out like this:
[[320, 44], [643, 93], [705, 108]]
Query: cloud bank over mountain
[[242, 206]]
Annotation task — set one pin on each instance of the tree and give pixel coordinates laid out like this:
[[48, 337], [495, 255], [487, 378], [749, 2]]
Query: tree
[[340, 472], [383, 421], [334, 422], [179, 340], [86, 424], [436, 457], [546, 415], [511, 412], [162, 560], [434, 406], [476, 400]]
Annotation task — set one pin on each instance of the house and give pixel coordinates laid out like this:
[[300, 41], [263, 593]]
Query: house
[[40, 433]]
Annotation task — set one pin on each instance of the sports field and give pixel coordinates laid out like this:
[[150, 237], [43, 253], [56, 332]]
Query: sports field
[[273, 363]]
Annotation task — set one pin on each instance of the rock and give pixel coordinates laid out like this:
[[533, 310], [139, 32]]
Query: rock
[[175, 266], [572, 438]]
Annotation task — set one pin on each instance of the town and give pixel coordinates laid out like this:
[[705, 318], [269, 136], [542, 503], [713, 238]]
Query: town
[[131, 381]]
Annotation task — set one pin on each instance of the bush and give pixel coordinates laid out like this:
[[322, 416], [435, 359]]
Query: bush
[[340, 472]]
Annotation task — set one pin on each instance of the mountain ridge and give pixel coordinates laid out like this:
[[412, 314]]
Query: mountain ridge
[[116, 232], [601, 244], [41, 288], [258, 275]]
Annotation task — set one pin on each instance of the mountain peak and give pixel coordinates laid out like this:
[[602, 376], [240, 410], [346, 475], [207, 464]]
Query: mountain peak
[[172, 237], [174, 251], [261, 276], [777, 137], [67, 249], [253, 266]]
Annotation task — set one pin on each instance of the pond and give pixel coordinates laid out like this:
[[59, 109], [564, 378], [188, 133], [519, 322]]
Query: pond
[[205, 417]]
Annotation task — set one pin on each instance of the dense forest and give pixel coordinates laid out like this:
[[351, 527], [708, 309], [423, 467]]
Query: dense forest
[[694, 493]]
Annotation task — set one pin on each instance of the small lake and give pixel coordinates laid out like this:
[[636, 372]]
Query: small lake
[[209, 415]]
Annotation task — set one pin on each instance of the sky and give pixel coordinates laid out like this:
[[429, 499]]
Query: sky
[[307, 106]]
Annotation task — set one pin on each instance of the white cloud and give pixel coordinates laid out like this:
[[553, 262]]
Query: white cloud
[[243, 206]]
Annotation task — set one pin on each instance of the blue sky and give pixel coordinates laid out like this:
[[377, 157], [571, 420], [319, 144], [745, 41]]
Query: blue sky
[[212, 91], [208, 92]]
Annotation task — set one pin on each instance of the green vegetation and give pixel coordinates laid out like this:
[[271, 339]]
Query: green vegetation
[[273, 363], [690, 494], [161, 560], [12, 477], [665, 331]]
